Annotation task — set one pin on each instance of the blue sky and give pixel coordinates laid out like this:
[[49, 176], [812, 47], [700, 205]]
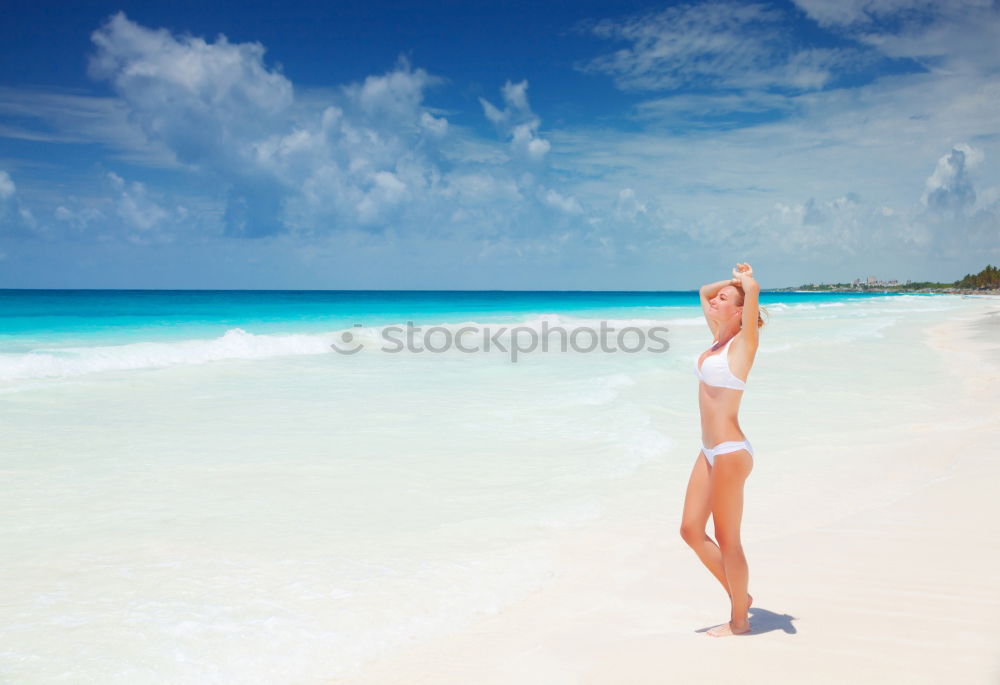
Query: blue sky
[[496, 145]]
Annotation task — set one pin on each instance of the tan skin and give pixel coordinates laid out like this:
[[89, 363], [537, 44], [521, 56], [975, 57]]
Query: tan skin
[[718, 490]]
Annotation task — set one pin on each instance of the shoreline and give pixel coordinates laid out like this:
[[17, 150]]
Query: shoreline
[[902, 590], [876, 291]]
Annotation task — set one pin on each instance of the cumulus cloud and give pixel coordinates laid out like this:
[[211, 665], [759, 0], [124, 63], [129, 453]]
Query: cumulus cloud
[[518, 122], [946, 220], [15, 219], [949, 188], [835, 226], [203, 100], [128, 210], [369, 155], [7, 187], [954, 216], [221, 110], [562, 203], [208, 104], [438, 126], [397, 95], [627, 205], [716, 45], [137, 209]]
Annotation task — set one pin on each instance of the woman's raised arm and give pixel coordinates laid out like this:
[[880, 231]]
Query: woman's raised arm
[[706, 293], [751, 304]]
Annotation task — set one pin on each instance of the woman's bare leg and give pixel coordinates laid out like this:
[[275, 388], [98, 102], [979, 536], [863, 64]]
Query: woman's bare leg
[[726, 500], [697, 508]]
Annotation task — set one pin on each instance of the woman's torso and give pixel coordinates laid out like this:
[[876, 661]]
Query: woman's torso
[[720, 406]]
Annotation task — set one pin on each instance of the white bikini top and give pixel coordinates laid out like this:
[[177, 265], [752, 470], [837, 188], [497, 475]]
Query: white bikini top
[[715, 370]]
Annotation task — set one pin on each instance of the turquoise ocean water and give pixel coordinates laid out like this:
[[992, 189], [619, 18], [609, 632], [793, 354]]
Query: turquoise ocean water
[[35, 321], [199, 489]]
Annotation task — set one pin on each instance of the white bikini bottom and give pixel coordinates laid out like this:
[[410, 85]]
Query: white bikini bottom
[[725, 448]]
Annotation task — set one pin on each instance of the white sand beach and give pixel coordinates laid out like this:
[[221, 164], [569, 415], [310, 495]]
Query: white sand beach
[[902, 589], [283, 515]]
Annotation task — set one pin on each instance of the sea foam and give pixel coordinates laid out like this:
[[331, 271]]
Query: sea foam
[[238, 343]]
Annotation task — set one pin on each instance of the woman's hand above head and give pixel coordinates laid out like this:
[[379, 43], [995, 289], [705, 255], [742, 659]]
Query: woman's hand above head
[[743, 275]]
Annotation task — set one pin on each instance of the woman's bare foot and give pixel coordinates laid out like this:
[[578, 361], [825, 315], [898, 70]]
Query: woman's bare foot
[[727, 629]]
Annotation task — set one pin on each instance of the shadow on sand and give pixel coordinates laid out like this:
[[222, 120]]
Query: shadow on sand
[[764, 621]]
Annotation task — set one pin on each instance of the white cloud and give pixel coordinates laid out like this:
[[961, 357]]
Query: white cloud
[[525, 141], [356, 159], [15, 219], [517, 121], [712, 45], [946, 221], [567, 205], [958, 220], [435, 125], [628, 206], [953, 36], [838, 225], [7, 187], [59, 117], [202, 100], [386, 191], [949, 188], [129, 211], [398, 94], [370, 155], [864, 155], [857, 12], [135, 207]]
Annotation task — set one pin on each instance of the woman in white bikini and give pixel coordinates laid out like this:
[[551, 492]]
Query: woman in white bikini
[[726, 459]]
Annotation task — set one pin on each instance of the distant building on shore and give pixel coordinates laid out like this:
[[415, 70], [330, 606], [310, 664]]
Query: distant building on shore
[[872, 281], [856, 284]]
